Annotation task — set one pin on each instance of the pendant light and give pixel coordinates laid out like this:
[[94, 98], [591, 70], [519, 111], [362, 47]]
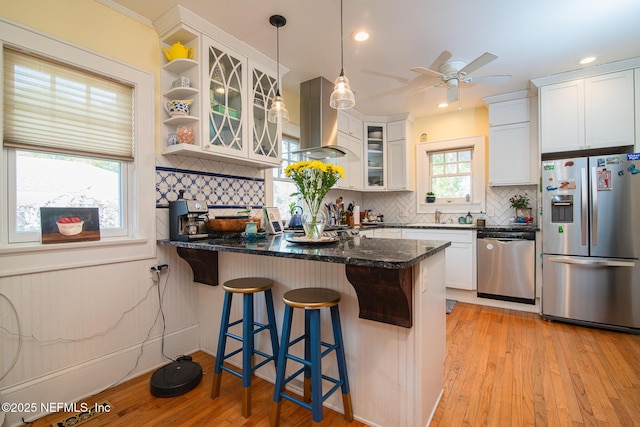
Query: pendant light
[[342, 98], [278, 112]]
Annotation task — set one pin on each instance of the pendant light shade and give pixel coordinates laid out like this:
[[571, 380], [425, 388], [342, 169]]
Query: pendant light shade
[[278, 111], [342, 97]]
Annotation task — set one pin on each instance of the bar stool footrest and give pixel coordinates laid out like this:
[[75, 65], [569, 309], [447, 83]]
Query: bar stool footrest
[[296, 400]]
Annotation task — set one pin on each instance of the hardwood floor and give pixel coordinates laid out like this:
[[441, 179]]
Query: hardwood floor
[[510, 368], [503, 368]]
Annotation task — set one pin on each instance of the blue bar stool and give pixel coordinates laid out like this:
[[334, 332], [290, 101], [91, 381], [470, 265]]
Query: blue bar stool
[[311, 300], [246, 286]]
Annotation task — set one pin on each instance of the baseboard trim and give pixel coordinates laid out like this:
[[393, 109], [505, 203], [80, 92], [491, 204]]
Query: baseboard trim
[[85, 379]]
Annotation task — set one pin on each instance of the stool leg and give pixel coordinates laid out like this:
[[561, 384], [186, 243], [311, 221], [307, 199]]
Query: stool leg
[[342, 363], [222, 342], [281, 367], [316, 364], [271, 316], [306, 388], [247, 354]]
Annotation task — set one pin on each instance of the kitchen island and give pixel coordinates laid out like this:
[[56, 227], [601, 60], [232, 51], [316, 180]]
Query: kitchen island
[[395, 368]]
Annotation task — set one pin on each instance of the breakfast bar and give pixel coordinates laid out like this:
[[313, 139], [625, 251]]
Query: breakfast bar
[[392, 310]]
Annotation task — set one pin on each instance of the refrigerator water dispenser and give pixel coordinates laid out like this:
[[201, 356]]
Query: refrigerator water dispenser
[[562, 209]]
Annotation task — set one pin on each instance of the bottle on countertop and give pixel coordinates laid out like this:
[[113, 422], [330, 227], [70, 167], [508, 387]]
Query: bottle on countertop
[[469, 218]]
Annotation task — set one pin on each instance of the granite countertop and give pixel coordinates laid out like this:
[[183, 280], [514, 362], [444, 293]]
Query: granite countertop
[[359, 251], [428, 226]]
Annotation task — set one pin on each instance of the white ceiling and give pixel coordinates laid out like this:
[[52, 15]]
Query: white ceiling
[[531, 38]]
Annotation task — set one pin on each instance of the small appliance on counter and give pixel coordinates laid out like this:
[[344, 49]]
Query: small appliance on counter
[[188, 219]]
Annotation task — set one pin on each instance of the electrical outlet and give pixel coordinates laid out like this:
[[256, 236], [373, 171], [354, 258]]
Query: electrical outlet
[[156, 270], [151, 272]]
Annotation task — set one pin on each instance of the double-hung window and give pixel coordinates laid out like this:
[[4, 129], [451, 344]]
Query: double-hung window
[[69, 136], [451, 174], [78, 130], [283, 187], [454, 170]]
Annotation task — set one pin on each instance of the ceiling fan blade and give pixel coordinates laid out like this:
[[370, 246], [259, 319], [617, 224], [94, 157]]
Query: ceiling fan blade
[[444, 56], [427, 72], [480, 61], [487, 79]]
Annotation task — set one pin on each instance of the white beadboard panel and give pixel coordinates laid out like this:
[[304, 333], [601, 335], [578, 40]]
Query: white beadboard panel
[[394, 204], [379, 356], [76, 383], [70, 317]]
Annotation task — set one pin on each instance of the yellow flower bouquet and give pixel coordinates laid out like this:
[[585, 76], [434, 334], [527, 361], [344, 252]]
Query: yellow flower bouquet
[[313, 179]]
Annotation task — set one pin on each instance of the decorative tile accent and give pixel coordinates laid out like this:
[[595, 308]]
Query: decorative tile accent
[[217, 190]]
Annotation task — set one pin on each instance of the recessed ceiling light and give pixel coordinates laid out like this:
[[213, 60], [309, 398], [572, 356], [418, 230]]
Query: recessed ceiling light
[[360, 36], [587, 60], [443, 105]]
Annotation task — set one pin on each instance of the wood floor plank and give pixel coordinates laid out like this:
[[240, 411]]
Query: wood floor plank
[[502, 368]]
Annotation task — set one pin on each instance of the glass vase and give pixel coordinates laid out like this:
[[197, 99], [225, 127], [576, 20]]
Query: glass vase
[[313, 224]]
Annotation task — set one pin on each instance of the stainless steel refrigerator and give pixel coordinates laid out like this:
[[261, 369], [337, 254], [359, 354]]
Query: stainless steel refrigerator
[[591, 240]]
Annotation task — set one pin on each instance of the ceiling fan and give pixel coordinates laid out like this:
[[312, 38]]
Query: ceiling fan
[[454, 72]]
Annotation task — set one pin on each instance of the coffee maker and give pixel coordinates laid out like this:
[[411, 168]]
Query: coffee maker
[[188, 219]]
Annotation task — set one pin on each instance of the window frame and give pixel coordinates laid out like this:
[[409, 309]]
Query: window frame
[[478, 176], [139, 243], [279, 175], [448, 175]]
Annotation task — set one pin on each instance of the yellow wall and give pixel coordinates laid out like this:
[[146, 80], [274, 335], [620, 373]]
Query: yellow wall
[[292, 102], [457, 124], [90, 24]]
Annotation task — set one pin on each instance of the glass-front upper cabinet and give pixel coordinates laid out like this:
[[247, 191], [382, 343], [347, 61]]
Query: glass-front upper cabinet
[[265, 136], [375, 156], [226, 101]]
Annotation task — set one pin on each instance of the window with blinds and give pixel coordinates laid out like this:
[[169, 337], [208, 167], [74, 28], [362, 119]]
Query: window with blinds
[[56, 108]]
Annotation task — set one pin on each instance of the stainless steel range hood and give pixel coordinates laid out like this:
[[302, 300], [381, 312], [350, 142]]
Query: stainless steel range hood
[[318, 121]]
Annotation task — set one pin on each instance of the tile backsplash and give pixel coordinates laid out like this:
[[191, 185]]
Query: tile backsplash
[[394, 204], [218, 184]]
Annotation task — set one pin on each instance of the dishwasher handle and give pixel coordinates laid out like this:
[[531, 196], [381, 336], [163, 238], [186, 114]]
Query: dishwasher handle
[[501, 239]]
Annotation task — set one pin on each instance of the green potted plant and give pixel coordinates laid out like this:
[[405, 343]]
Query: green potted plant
[[431, 197], [521, 203]]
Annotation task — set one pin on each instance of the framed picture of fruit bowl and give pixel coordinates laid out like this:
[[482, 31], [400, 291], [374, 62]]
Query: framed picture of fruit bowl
[[61, 225]]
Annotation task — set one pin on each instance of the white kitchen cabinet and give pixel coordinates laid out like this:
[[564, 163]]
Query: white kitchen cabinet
[[513, 151], [375, 156], [609, 110], [350, 125], [510, 155], [460, 263], [392, 233], [230, 92], [350, 130], [637, 86], [400, 167], [595, 112], [265, 137], [509, 112]]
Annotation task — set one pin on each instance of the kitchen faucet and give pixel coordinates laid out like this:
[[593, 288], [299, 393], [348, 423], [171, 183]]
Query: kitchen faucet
[[438, 216]]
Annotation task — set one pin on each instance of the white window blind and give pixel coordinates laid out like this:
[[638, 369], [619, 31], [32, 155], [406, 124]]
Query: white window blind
[[53, 107]]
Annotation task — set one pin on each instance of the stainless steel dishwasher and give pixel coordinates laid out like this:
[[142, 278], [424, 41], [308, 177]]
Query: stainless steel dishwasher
[[506, 265]]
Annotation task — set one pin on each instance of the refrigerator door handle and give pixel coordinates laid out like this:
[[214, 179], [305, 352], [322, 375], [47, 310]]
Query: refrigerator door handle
[[596, 262], [594, 207], [584, 205]]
